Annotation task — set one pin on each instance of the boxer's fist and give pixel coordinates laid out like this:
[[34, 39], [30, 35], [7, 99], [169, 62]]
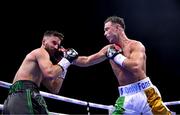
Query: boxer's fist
[[70, 54], [58, 54], [56, 57], [112, 52]]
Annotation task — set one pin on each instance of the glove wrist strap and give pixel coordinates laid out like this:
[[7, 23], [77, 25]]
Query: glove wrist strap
[[64, 63], [119, 59]]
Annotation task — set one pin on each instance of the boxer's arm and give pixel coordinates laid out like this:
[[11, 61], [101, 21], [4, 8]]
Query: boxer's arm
[[48, 69], [115, 54], [53, 85], [85, 61], [135, 62]]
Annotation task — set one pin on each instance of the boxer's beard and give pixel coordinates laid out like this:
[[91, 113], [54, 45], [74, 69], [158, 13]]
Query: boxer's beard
[[56, 57]]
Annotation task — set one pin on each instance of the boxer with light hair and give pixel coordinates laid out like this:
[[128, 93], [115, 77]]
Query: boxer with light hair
[[127, 57], [46, 65]]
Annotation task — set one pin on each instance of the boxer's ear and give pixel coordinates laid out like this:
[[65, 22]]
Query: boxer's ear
[[43, 41]]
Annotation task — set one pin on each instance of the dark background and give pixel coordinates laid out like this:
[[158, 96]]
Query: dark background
[[153, 22]]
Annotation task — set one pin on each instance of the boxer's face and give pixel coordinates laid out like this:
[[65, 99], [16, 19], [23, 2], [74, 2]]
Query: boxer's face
[[110, 32], [51, 44]]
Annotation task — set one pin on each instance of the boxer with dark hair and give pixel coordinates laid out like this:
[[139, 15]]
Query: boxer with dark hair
[[46, 65], [128, 61]]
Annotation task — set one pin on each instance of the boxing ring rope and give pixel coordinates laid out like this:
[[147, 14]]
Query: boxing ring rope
[[110, 108], [1, 106]]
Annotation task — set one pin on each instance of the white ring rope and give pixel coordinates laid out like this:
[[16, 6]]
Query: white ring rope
[[66, 99], [1, 106], [172, 103]]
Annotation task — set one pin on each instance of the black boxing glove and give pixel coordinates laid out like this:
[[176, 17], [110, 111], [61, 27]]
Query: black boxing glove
[[111, 52], [57, 56], [69, 56], [115, 54]]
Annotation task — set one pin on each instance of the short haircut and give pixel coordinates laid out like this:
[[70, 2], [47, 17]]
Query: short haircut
[[116, 20], [54, 33]]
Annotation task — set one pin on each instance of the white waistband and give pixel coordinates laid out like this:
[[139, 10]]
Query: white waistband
[[135, 87]]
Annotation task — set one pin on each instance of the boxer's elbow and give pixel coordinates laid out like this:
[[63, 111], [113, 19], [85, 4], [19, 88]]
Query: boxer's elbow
[[56, 85], [55, 91], [50, 74]]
